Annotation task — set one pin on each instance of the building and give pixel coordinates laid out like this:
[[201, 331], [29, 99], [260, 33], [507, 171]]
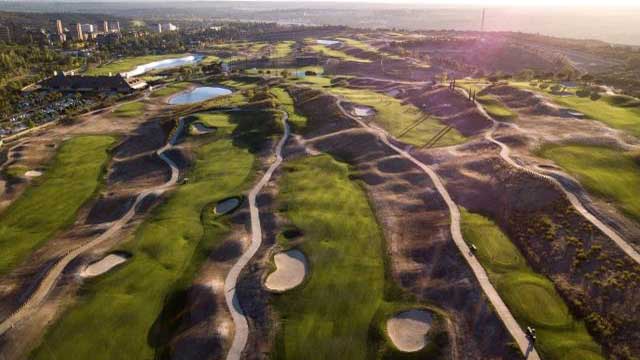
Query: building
[[105, 26], [5, 34], [165, 27], [88, 28], [78, 33], [79, 83], [59, 28], [117, 27]]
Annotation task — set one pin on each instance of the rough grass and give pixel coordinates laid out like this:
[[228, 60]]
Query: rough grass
[[170, 89], [119, 312], [52, 202], [394, 117], [282, 49], [615, 111], [129, 63], [609, 173], [329, 316], [131, 109], [532, 298]]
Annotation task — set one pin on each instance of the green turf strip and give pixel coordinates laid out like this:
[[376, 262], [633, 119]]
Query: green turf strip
[[532, 298], [52, 203], [609, 173], [117, 315]]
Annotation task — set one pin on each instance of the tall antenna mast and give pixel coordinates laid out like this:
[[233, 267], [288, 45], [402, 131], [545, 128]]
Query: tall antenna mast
[[482, 25]]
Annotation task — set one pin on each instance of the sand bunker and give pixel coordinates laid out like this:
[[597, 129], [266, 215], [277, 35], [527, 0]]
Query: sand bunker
[[408, 330], [363, 111], [291, 268], [200, 129], [226, 206], [33, 173], [102, 266]]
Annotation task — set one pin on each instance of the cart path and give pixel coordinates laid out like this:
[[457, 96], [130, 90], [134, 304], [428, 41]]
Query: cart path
[[499, 306], [51, 278], [241, 326]]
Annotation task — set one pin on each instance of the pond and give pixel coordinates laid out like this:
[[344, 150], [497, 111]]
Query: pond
[[198, 94], [164, 64], [327, 42]]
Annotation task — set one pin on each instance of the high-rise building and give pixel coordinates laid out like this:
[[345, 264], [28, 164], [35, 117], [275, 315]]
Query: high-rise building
[[5, 33], [117, 28], [159, 28], [105, 26], [59, 28], [78, 33], [87, 28]]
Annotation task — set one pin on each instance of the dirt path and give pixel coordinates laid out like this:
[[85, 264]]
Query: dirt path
[[241, 332], [500, 307], [53, 275], [505, 154]]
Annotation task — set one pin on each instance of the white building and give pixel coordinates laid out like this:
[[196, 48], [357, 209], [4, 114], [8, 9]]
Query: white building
[[88, 28], [165, 27]]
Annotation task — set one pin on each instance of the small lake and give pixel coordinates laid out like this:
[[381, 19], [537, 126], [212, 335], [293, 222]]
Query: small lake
[[164, 64], [198, 94], [327, 42]]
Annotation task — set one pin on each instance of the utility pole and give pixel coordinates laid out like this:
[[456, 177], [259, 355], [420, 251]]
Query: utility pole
[[482, 24]]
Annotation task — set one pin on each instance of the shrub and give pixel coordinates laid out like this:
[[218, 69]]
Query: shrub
[[595, 96], [583, 93], [310, 73]]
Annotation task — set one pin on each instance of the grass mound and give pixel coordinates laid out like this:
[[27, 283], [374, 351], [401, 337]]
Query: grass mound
[[51, 204], [297, 120], [170, 89], [609, 173], [496, 108], [132, 109], [532, 298]]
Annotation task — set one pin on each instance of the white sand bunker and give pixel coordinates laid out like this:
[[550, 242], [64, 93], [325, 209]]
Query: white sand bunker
[[363, 111], [102, 266], [226, 206], [408, 330], [33, 173], [200, 129], [291, 268]]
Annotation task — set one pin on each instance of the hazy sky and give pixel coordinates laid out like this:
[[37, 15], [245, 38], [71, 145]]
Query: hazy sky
[[506, 3]]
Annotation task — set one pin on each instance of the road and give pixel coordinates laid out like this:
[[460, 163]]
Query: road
[[50, 279], [496, 301], [505, 154], [241, 332]]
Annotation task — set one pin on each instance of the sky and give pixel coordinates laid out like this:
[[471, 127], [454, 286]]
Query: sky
[[501, 3]]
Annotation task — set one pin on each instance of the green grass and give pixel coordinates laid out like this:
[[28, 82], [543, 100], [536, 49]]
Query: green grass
[[330, 315], [128, 313], [496, 108], [532, 298], [319, 48], [611, 174], [616, 111], [129, 63], [171, 89], [297, 120], [282, 49], [368, 48], [52, 202], [395, 117], [131, 109]]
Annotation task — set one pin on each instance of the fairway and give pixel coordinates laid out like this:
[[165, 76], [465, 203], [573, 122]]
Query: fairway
[[116, 311], [616, 111], [51, 204], [129, 63], [609, 173], [327, 51], [532, 298], [131, 109], [297, 120], [394, 117], [496, 108], [329, 315]]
